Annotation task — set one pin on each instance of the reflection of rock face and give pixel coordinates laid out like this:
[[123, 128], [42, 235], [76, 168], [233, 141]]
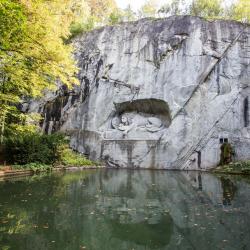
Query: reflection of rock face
[[126, 209], [143, 233], [168, 210], [189, 74]]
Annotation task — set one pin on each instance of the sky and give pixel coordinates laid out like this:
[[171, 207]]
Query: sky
[[136, 4]]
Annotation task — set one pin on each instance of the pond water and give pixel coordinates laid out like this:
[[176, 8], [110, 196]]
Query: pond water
[[125, 209]]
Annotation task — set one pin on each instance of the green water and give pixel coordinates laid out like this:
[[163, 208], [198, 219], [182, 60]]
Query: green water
[[120, 209]]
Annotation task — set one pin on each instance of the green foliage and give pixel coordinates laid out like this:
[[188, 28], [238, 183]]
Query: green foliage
[[34, 48], [149, 9], [171, 8], [206, 8], [31, 147], [226, 153], [27, 149], [68, 157], [32, 52], [115, 17], [78, 28], [128, 14], [239, 11], [210, 9], [241, 167], [36, 167], [90, 14]]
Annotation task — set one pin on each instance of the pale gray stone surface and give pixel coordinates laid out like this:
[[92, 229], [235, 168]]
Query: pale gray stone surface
[[158, 94]]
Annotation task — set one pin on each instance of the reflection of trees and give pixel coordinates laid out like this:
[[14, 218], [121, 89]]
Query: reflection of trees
[[229, 190], [110, 208], [28, 212]]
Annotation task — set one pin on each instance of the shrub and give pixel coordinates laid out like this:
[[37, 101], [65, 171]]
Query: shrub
[[36, 167], [226, 153], [68, 157], [79, 28], [32, 147]]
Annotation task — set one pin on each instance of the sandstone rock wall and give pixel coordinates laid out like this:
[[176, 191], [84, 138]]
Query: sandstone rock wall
[[158, 94]]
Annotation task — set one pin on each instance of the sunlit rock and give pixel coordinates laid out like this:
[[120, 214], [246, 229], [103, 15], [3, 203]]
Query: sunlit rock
[[158, 94]]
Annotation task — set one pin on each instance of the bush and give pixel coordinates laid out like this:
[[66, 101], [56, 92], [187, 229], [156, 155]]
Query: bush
[[79, 28], [36, 167], [32, 147], [226, 153], [32, 150], [68, 157]]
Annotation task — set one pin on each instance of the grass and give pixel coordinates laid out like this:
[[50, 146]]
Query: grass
[[242, 167], [35, 167]]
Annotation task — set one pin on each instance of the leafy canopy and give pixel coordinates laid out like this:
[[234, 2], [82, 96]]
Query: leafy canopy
[[33, 55], [206, 8]]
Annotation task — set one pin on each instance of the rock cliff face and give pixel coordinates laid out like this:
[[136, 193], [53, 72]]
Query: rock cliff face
[[158, 94]]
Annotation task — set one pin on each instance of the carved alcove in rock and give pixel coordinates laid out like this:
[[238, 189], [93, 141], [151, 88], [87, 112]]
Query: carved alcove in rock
[[139, 119]]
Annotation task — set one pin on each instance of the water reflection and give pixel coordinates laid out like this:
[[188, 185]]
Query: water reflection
[[229, 190], [144, 233], [125, 209]]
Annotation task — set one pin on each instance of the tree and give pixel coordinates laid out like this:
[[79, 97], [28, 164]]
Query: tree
[[100, 10], [89, 14], [206, 8], [33, 55], [33, 50], [149, 9], [115, 17], [122, 15], [240, 11], [128, 14], [172, 8]]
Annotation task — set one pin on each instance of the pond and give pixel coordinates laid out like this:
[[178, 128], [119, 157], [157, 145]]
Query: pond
[[125, 209]]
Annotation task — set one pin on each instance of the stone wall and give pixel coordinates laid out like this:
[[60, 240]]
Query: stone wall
[[158, 94]]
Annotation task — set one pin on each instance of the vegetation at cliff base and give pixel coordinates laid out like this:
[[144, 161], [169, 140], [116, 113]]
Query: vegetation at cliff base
[[242, 167], [68, 157], [32, 150]]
